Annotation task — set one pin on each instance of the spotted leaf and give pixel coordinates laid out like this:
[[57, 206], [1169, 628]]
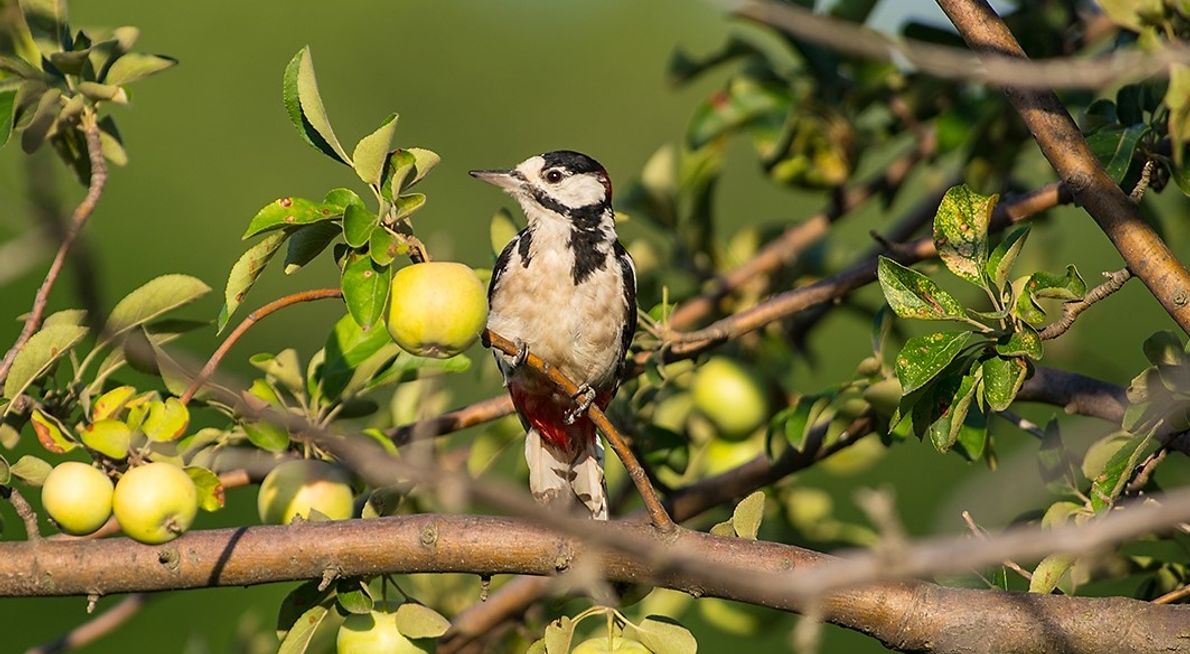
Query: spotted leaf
[[961, 232], [913, 295], [923, 357]]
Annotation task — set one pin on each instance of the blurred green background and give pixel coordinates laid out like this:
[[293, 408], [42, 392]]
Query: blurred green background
[[484, 84]]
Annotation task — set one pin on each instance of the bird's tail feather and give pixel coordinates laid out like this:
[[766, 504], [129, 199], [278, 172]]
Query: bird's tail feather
[[558, 475]]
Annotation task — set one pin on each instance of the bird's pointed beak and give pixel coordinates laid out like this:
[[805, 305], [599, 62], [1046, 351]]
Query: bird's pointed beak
[[506, 179]]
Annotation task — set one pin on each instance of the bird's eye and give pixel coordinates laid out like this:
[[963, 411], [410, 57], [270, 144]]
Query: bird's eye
[[553, 176]]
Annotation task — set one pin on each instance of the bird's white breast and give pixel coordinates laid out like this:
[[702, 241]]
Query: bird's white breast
[[575, 327]]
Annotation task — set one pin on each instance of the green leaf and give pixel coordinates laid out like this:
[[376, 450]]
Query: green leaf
[[267, 436], [944, 431], [913, 295], [558, 635], [157, 297], [244, 273], [419, 621], [501, 230], [167, 421], [406, 205], [111, 143], [31, 470], [662, 635], [371, 152], [305, 243], [973, 433], [923, 357], [797, 421], [1000, 261], [346, 348], [1163, 348], [290, 212], [961, 232], [283, 367], [358, 224], [398, 168], [1049, 572], [7, 108], [1002, 379], [1067, 287], [5, 472], [210, 489], [111, 403], [746, 517], [423, 162], [44, 117], [111, 438], [297, 603], [304, 104], [298, 637], [74, 317], [1023, 342], [133, 66], [51, 433], [365, 289], [340, 198], [353, 596], [384, 246], [1110, 482], [37, 355], [1114, 146], [405, 365], [103, 92]]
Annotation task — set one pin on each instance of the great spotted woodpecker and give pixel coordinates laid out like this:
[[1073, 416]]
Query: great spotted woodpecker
[[565, 289]]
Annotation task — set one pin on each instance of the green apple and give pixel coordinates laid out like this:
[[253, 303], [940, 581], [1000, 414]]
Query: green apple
[[730, 396], [437, 308], [601, 645], [295, 487], [719, 456], [78, 497], [377, 633], [155, 503]]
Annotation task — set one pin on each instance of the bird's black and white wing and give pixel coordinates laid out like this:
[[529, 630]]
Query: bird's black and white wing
[[628, 270]]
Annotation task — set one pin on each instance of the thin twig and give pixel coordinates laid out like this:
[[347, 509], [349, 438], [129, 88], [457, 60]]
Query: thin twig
[[979, 533], [77, 220], [1062, 143], [97, 627], [954, 63], [1024, 424], [26, 513], [473, 414], [1174, 595], [657, 513], [787, 247], [252, 319], [1145, 470], [1070, 311]]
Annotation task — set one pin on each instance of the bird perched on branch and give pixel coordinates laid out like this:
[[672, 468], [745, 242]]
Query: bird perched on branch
[[565, 289]]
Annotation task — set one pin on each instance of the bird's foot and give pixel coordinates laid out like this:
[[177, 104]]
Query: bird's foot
[[522, 354], [582, 401]]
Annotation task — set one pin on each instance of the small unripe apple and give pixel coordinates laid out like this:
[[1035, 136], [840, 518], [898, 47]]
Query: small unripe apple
[[155, 503], [78, 497], [377, 633], [437, 308], [731, 397], [600, 645], [295, 487]]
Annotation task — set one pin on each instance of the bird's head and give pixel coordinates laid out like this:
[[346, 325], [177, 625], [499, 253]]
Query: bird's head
[[569, 184]]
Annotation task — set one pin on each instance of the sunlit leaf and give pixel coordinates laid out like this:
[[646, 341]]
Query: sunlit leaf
[[961, 232], [1002, 379], [51, 433], [913, 295], [290, 212], [110, 437], [420, 621], [365, 289], [37, 355], [1000, 261], [371, 152], [358, 224], [133, 66], [303, 103], [923, 357], [156, 298], [244, 273], [210, 489]]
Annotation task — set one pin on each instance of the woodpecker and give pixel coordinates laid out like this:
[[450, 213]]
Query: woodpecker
[[565, 289]]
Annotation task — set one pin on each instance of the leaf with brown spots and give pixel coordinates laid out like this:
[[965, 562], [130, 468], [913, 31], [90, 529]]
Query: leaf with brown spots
[[913, 295], [923, 357], [246, 271], [961, 232], [291, 212]]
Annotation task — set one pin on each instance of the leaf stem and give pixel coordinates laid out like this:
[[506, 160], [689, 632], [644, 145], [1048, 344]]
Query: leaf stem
[[246, 324]]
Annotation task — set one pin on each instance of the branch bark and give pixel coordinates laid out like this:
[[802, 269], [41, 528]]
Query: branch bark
[[911, 616], [1063, 145]]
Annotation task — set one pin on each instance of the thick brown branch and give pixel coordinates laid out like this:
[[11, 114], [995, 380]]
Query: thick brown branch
[[913, 616], [657, 512], [1063, 145], [77, 220], [252, 319]]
